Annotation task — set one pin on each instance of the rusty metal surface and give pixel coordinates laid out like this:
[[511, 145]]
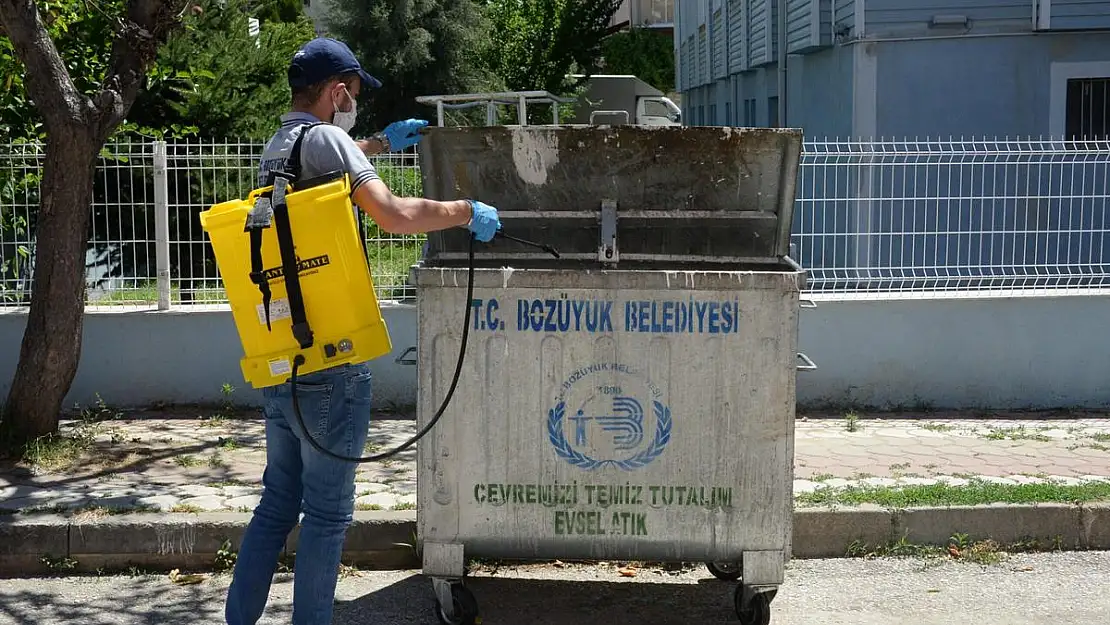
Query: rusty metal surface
[[685, 195]]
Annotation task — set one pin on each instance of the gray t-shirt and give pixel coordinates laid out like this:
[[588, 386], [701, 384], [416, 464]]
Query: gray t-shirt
[[327, 148]]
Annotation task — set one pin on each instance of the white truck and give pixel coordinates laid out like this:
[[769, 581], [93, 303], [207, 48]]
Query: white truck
[[607, 100], [623, 98]]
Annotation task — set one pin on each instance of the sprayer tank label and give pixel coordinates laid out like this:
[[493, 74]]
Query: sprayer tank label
[[279, 309], [280, 366]]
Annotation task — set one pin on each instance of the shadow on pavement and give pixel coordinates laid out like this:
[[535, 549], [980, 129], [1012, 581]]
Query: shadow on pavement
[[520, 601], [87, 601]]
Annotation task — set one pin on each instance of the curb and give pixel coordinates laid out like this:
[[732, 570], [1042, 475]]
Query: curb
[[383, 539]]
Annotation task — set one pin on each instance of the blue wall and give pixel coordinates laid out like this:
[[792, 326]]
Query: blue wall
[[819, 93], [991, 86]]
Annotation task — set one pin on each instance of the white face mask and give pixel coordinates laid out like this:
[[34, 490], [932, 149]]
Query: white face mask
[[346, 119]]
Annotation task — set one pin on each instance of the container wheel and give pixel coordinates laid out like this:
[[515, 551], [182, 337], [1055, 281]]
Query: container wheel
[[728, 571], [465, 607], [756, 609]]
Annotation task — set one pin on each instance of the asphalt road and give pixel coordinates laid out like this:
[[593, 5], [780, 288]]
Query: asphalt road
[[1072, 588]]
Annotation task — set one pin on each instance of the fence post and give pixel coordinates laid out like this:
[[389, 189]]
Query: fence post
[[162, 224]]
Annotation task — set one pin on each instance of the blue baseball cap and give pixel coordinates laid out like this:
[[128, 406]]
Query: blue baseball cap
[[323, 58]]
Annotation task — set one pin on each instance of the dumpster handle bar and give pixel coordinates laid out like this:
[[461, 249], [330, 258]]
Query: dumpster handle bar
[[809, 364]]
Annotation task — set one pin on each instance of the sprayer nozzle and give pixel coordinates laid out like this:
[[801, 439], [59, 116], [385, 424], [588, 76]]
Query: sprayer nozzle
[[547, 248]]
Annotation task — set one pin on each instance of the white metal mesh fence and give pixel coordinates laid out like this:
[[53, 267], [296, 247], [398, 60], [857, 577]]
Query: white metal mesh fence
[[891, 219], [954, 217], [131, 190]]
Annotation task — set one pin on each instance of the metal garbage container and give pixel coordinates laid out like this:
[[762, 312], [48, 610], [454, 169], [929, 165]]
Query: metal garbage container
[[633, 399]]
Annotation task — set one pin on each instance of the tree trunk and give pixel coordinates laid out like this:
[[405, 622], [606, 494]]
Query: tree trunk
[[51, 346]]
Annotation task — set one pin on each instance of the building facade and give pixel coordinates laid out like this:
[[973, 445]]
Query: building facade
[[655, 14], [894, 68]]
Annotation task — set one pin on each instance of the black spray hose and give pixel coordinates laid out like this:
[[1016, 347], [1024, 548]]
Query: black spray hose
[[298, 360]]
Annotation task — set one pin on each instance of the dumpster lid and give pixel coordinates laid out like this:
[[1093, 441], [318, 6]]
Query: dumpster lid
[[620, 196]]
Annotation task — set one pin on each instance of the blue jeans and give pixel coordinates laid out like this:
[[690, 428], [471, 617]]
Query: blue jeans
[[335, 405]]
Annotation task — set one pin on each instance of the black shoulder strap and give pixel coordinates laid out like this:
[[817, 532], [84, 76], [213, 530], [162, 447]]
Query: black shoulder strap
[[275, 208]]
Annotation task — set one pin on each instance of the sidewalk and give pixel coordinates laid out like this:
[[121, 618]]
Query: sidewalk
[[177, 461]]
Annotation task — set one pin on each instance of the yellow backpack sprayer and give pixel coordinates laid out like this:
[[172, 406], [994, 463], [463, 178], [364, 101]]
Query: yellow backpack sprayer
[[301, 297]]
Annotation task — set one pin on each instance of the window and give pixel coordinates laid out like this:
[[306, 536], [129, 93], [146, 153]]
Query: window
[[712, 115], [654, 12], [728, 113], [749, 112], [656, 108], [773, 112], [1088, 109]]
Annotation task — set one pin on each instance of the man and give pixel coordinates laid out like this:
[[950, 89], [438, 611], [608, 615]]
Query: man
[[326, 80]]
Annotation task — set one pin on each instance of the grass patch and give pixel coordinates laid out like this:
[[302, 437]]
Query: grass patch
[[67, 447], [1102, 437], [225, 558], [977, 492], [221, 483], [186, 508], [960, 547], [389, 265], [146, 292], [368, 506], [405, 506], [1019, 433], [937, 427], [229, 443], [186, 460], [851, 422]]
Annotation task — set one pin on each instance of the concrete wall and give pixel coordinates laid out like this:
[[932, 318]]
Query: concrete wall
[[957, 353], [1001, 353], [138, 358]]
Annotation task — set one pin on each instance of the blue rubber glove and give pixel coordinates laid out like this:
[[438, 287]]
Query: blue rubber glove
[[484, 222], [404, 134]]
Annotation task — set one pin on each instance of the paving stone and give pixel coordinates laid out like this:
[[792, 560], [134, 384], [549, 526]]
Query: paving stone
[[369, 488], [16, 504], [805, 486], [198, 490], [204, 502], [246, 501], [24, 490], [882, 453], [385, 500], [885, 482], [239, 491], [917, 481], [163, 502]]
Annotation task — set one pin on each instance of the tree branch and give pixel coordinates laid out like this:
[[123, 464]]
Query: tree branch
[[148, 26], [47, 80]]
